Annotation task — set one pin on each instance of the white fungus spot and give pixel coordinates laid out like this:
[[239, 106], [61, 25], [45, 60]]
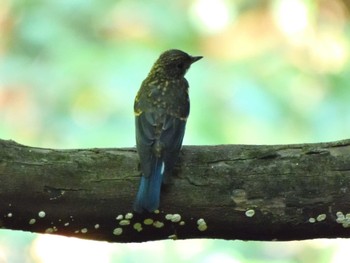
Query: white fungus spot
[[339, 214], [156, 211], [129, 216], [124, 222], [168, 216], [97, 226], [176, 218], [158, 224], [55, 229], [250, 213], [41, 214], [84, 230], [138, 227], [117, 231], [321, 217], [76, 231], [66, 224], [346, 224], [148, 221], [173, 237], [200, 221], [182, 223], [119, 217], [9, 215], [32, 221], [312, 220], [49, 230], [344, 220], [340, 220], [202, 227], [10, 204]]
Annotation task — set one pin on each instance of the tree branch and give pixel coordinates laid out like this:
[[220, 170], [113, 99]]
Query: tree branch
[[248, 192]]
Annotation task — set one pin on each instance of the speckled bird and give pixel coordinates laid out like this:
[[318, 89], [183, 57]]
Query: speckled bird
[[161, 109]]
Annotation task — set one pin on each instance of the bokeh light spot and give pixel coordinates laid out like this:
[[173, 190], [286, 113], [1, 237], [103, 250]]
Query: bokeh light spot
[[211, 16]]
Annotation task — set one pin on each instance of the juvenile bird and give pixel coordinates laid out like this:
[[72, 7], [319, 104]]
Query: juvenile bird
[[161, 109]]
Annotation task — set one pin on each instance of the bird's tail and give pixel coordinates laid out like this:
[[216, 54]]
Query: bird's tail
[[148, 196]]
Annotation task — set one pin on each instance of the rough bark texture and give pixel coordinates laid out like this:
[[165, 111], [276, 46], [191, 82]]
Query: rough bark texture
[[248, 192]]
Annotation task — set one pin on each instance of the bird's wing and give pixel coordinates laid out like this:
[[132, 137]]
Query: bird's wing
[[172, 133], [145, 131], [169, 138]]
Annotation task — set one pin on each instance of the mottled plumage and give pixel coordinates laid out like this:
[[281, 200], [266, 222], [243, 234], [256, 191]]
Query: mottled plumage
[[161, 110]]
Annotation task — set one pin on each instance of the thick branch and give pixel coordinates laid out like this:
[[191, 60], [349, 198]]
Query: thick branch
[[277, 192]]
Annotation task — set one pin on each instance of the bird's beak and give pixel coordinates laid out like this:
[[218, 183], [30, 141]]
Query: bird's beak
[[194, 59]]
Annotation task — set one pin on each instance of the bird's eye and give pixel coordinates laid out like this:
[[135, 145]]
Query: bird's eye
[[180, 65]]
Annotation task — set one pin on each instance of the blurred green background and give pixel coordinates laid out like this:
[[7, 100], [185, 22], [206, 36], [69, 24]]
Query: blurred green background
[[274, 72]]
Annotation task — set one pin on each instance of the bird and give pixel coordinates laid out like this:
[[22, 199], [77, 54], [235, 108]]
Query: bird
[[161, 109]]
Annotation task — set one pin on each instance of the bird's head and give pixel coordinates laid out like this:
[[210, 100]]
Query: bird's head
[[174, 63]]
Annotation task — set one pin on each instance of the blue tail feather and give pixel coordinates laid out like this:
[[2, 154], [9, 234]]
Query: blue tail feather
[[148, 195]]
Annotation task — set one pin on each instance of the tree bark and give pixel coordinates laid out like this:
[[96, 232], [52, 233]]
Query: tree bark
[[247, 192]]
